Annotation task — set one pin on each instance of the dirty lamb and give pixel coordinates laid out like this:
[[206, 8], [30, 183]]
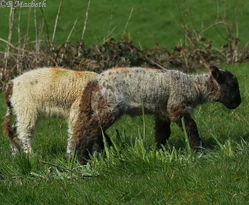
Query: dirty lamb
[[167, 94]]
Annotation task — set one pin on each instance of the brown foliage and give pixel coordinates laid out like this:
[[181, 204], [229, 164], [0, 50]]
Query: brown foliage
[[122, 53]]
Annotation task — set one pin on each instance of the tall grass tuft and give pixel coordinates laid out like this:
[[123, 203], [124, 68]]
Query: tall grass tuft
[[187, 143], [24, 164]]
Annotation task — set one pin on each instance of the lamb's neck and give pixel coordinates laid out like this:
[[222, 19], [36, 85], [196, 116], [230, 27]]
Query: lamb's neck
[[204, 88]]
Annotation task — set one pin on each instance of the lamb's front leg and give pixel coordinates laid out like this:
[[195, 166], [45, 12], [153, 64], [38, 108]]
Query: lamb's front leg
[[88, 130], [89, 134], [192, 132], [98, 145], [162, 131]]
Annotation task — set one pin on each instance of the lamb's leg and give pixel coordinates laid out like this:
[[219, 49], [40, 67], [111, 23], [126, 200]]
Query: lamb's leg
[[70, 143], [98, 145], [24, 137], [192, 132], [162, 131], [14, 145], [74, 111], [10, 132], [24, 129]]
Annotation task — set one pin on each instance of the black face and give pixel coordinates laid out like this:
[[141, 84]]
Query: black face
[[229, 90]]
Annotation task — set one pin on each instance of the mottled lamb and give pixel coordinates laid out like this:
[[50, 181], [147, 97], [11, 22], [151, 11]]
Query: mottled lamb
[[167, 94], [43, 92]]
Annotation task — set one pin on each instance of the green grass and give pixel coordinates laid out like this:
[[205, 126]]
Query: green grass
[[132, 171], [152, 23]]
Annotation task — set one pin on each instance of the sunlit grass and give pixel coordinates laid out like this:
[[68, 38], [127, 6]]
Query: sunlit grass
[[133, 171], [152, 23]]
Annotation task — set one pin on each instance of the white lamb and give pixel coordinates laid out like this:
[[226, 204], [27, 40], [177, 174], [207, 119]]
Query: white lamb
[[49, 92]]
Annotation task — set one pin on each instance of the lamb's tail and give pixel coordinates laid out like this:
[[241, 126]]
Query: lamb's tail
[[7, 128]]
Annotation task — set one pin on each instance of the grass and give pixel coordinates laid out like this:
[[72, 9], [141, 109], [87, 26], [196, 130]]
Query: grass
[[132, 171], [151, 23]]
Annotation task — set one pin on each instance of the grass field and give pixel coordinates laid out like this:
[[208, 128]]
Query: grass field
[[133, 172], [148, 23]]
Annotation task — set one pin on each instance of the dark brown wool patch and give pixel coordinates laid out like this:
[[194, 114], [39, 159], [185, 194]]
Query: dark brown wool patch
[[8, 94], [7, 120], [176, 112], [85, 110], [89, 127]]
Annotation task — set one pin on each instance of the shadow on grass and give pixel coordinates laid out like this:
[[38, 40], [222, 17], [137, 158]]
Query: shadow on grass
[[209, 143]]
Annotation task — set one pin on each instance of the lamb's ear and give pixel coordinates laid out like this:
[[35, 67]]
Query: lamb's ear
[[215, 72]]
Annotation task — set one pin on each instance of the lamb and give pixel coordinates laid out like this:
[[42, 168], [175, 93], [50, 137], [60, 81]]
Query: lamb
[[44, 92], [167, 94]]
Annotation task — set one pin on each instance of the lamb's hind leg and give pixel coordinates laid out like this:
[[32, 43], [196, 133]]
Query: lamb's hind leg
[[14, 144], [10, 132], [162, 131]]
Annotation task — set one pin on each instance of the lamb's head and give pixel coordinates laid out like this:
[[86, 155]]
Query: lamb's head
[[226, 87]]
